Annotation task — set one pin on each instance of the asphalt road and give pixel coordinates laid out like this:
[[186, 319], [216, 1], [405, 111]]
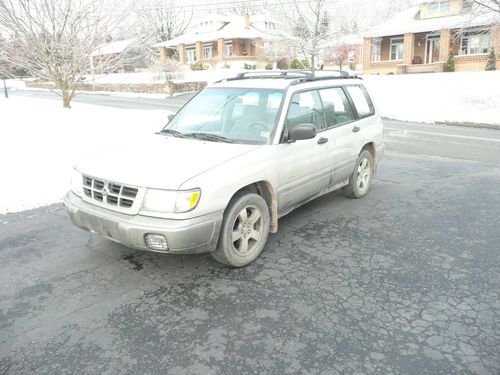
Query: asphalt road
[[403, 281], [170, 104]]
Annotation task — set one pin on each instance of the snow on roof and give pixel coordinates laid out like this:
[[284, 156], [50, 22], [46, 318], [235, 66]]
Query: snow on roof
[[113, 47], [408, 21], [344, 40], [233, 29]]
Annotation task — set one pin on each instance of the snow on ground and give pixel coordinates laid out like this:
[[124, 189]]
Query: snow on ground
[[158, 77], [461, 97], [40, 142]]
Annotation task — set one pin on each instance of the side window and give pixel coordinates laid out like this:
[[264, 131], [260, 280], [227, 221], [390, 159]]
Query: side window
[[305, 107], [336, 106], [361, 100]]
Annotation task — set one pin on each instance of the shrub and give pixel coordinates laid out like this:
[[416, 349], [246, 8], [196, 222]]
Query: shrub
[[128, 68], [199, 66], [450, 64], [296, 64], [20, 72], [491, 64], [283, 63], [299, 64], [269, 66]]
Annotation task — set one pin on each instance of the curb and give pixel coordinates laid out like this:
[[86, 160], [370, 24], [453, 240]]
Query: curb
[[449, 123]]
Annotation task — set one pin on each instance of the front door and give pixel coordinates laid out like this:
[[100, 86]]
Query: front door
[[432, 49], [304, 170]]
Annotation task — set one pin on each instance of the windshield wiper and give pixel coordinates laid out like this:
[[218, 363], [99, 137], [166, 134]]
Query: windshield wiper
[[208, 137], [175, 133]]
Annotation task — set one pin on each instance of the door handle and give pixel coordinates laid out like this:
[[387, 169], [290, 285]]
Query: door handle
[[355, 129], [322, 140]]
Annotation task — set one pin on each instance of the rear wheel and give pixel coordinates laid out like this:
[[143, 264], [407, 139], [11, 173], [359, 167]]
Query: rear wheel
[[359, 183], [244, 231]]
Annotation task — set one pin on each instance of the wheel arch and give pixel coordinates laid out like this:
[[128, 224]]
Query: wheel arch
[[266, 191], [370, 147]]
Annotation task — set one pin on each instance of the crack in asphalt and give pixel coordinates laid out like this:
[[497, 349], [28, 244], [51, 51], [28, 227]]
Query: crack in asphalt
[[403, 281]]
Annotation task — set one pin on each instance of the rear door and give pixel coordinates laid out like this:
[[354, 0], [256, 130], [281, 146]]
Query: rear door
[[367, 127], [340, 119]]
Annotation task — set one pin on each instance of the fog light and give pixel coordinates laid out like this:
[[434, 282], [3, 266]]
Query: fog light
[[156, 241]]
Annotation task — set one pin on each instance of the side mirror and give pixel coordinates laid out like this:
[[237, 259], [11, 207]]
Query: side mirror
[[170, 117], [301, 132]]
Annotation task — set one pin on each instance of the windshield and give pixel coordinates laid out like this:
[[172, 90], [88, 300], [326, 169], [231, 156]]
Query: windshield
[[236, 115]]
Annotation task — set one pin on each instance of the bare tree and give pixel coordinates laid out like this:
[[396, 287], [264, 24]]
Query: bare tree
[[161, 20], [488, 5], [56, 39], [245, 8], [5, 66], [310, 25]]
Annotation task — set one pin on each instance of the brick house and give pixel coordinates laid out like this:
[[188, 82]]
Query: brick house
[[222, 41], [419, 39]]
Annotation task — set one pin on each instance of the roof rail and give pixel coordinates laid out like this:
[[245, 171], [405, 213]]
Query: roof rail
[[298, 76]]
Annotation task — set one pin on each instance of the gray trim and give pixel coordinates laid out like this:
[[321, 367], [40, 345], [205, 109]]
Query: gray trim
[[190, 236]]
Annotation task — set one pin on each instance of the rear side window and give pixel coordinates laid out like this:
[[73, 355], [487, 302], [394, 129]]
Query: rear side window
[[336, 107], [361, 100]]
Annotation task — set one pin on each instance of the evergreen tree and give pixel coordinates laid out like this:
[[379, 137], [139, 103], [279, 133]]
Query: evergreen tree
[[450, 64], [491, 64]]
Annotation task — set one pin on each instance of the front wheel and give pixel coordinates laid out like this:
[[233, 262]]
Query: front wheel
[[359, 183], [244, 231]]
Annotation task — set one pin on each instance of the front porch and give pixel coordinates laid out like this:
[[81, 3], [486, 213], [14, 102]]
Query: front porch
[[211, 54], [408, 53], [427, 52]]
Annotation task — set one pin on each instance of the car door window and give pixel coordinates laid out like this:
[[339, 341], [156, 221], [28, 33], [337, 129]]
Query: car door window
[[336, 106], [305, 107], [361, 101]]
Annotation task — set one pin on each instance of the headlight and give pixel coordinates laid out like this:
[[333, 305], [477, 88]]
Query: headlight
[[170, 201], [77, 182]]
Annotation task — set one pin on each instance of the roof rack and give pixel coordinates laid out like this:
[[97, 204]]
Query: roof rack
[[298, 76]]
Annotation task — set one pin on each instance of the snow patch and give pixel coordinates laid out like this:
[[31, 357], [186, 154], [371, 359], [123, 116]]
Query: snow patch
[[461, 97], [40, 143]]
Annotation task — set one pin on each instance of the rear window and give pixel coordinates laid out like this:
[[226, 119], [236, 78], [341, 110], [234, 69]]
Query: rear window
[[361, 100]]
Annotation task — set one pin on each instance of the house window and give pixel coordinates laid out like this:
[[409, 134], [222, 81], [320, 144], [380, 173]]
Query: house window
[[376, 49], [190, 55], [475, 44], [439, 7], [228, 49], [397, 46], [207, 51], [350, 57], [269, 26]]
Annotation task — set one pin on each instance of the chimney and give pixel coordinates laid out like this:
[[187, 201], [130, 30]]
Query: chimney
[[246, 20]]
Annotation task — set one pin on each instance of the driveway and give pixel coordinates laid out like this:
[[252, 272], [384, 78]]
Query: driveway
[[405, 280]]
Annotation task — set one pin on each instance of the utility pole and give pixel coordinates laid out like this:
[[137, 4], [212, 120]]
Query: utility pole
[[5, 88]]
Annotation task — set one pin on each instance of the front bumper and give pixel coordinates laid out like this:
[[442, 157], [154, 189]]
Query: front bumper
[[190, 236]]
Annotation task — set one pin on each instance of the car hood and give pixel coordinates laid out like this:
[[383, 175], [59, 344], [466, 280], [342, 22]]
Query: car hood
[[161, 162]]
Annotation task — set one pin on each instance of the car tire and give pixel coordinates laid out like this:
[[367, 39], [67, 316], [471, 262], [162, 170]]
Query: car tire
[[244, 232], [359, 182]]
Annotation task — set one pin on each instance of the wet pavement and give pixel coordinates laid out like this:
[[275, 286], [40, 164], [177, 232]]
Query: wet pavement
[[403, 281]]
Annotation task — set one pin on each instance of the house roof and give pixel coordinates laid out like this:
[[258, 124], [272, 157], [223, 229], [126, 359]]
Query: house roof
[[233, 28], [113, 47], [344, 40], [407, 21]]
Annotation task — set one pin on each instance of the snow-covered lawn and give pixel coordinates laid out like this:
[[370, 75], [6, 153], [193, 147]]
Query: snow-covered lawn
[[40, 142], [462, 97]]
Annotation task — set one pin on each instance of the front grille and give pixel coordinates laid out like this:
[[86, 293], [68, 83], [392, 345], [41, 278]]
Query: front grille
[[109, 193]]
